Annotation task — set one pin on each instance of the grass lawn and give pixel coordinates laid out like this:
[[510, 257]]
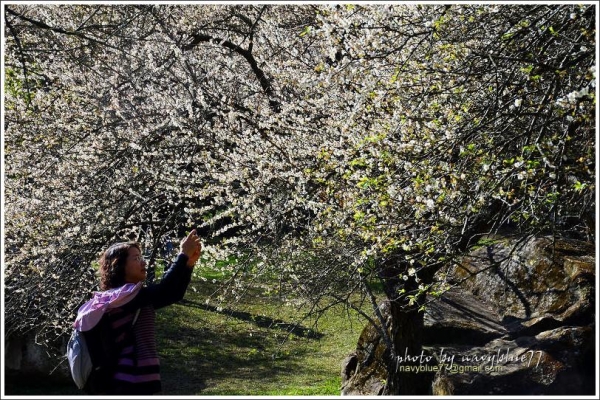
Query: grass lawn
[[247, 349]]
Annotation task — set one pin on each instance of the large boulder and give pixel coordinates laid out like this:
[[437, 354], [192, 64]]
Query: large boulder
[[533, 279], [519, 320]]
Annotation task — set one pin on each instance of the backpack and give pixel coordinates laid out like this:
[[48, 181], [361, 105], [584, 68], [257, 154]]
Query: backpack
[[93, 356]]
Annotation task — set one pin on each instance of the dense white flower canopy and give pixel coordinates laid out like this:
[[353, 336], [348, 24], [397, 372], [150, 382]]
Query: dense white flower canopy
[[323, 143]]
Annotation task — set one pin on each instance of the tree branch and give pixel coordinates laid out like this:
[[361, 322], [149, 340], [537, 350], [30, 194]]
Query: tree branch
[[43, 25], [265, 83]]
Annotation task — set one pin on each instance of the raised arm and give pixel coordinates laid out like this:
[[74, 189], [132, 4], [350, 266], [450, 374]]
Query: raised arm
[[176, 279]]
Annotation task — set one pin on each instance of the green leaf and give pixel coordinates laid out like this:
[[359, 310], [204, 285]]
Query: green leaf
[[578, 186], [305, 31]]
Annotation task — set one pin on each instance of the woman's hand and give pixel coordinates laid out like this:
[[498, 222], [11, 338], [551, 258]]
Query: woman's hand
[[191, 247]]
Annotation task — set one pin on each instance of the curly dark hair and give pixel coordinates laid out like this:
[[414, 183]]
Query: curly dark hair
[[112, 264]]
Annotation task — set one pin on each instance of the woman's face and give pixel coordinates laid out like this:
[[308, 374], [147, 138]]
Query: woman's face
[[135, 268]]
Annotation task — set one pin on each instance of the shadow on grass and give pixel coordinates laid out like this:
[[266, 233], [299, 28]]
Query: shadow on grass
[[259, 320], [225, 359]]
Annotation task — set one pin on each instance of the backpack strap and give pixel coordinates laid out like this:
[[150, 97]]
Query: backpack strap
[[135, 317]]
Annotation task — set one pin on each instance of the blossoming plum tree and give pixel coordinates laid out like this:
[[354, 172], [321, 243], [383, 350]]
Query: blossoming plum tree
[[335, 146]]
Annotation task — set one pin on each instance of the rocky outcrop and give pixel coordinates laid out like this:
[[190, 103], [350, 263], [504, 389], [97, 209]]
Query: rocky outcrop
[[533, 280], [519, 320]]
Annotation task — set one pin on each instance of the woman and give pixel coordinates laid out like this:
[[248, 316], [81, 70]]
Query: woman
[[130, 309]]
